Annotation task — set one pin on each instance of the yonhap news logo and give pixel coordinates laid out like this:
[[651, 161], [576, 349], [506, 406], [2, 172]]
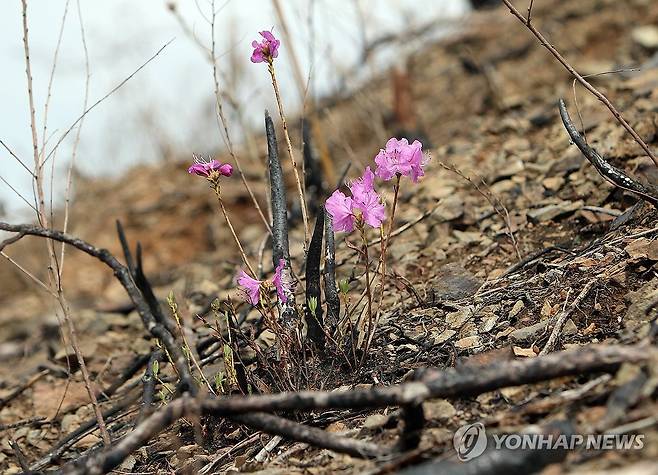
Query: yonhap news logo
[[470, 441]]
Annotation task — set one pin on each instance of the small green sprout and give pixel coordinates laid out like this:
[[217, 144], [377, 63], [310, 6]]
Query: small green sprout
[[344, 286], [313, 305]]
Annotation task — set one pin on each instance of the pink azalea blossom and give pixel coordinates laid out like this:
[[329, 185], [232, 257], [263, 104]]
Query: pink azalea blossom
[[279, 281], [251, 287], [339, 207], [363, 185], [203, 168], [364, 200], [267, 49], [401, 158]]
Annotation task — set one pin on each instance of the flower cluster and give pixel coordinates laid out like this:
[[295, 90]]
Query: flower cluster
[[364, 203], [252, 287], [266, 50], [398, 159]]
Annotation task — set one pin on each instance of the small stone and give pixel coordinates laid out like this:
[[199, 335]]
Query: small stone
[[643, 248], [489, 323], [444, 336], [451, 207], [468, 342], [516, 309], [553, 183], [646, 36], [467, 237], [454, 283], [639, 301], [569, 328], [375, 421], [439, 409], [456, 320], [186, 451], [510, 170], [529, 333], [550, 212], [534, 331]]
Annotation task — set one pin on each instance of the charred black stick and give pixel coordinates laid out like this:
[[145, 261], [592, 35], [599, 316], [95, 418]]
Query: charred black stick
[[610, 173], [280, 245], [148, 383], [311, 435], [314, 320], [330, 285], [127, 373], [313, 176]]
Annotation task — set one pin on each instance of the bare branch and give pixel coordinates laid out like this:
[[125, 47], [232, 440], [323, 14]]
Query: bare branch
[[17, 159], [599, 95], [102, 99]]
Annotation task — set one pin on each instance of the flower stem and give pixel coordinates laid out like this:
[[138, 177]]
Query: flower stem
[[215, 188], [382, 260], [300, 189], [364, 241], [382, 257]]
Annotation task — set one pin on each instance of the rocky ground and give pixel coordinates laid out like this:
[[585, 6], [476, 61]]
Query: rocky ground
[[482, 270]]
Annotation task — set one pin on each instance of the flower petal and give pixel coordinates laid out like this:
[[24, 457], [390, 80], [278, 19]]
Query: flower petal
[[339, 207]]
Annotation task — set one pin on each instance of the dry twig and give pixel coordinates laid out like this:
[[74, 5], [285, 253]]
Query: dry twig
[[599, 95], [555, 333]]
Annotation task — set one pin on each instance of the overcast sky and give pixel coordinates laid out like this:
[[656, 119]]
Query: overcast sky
[[171, 99]]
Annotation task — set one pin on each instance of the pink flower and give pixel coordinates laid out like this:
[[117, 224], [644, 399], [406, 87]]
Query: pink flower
[[279, 281], [364, 200], [339, 207], [365, 184], [267, 49], [203, 168], [251, 287], [401, 158]]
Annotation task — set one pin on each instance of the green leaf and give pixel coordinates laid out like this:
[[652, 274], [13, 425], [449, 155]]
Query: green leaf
[[156, 367], [344, 286]]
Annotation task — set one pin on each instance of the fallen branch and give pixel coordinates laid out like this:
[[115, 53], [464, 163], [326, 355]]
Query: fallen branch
[[431, 383], [311, 435]]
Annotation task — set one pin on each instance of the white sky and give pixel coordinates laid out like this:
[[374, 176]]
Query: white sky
[[171, 99]]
